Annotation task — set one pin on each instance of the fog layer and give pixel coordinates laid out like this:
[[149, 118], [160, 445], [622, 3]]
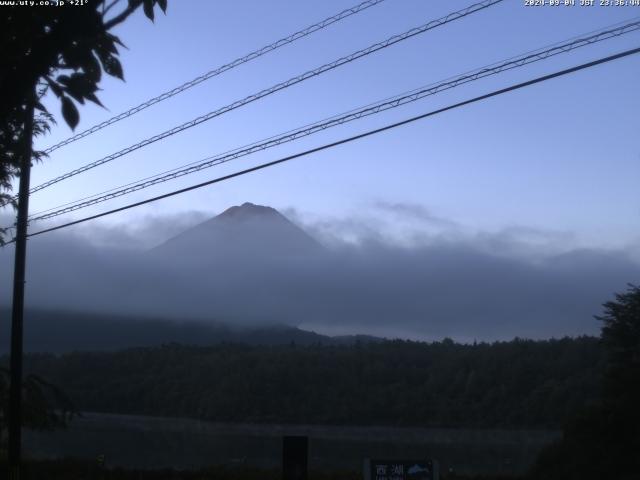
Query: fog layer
[[334, 276]]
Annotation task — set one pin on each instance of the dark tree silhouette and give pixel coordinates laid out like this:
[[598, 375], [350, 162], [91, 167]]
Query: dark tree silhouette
[[604, 440], [621, 338], [45, 406], [522, 383], [62, 49]]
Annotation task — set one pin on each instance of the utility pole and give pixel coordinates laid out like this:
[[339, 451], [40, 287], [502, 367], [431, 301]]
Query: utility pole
[[17, 309]]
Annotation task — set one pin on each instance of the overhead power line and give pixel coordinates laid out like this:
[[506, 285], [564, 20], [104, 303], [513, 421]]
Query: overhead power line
[[495, 93], [219, 70], [577, 41], [394, 102], [280, 86]]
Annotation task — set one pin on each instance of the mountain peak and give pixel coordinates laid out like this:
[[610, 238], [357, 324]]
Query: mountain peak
[[246, 210], [240, 232]]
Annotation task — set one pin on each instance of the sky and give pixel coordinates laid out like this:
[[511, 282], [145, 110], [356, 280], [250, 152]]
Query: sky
[[555, 165], [560, 155]]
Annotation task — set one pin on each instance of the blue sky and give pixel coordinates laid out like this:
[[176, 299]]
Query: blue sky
[[563, 156]]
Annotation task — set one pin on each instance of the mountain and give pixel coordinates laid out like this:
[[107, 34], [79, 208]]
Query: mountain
[[241, 232], [59, 332], [220, 268]]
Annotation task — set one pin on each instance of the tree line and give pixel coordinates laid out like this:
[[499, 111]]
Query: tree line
[[516, 384]]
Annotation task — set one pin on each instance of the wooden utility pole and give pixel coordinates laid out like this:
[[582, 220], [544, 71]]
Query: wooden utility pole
[[17, 309]]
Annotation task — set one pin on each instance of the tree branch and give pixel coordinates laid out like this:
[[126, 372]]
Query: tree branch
[[106, 8], [118, 19]]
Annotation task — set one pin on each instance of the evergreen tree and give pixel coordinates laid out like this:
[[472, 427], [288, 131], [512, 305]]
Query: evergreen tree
[[603, 441]]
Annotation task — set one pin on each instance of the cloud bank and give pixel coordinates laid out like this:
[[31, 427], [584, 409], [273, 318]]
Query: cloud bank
[[398, 271]]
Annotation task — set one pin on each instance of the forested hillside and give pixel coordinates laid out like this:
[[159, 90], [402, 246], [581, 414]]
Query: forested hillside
[[504, 384], [68, 331]]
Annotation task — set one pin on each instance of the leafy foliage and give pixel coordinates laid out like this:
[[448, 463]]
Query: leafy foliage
[[603, 441], [61, 49], [505, 384], [621, 338], [45, 406]]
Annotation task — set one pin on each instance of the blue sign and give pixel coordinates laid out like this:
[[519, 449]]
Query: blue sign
[[385, 469]]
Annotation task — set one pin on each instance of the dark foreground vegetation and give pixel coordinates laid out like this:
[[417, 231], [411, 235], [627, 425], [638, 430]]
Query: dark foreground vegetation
[[507, 384], [77, 470], [603, 439], [591, 386]]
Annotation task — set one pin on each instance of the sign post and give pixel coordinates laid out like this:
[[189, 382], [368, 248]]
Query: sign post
[[295, 457]]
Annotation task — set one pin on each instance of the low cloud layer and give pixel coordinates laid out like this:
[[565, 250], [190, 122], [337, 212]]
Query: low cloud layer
[[399, 271]]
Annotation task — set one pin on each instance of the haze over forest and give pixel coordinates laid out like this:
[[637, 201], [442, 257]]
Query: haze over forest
[[403, 272]]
